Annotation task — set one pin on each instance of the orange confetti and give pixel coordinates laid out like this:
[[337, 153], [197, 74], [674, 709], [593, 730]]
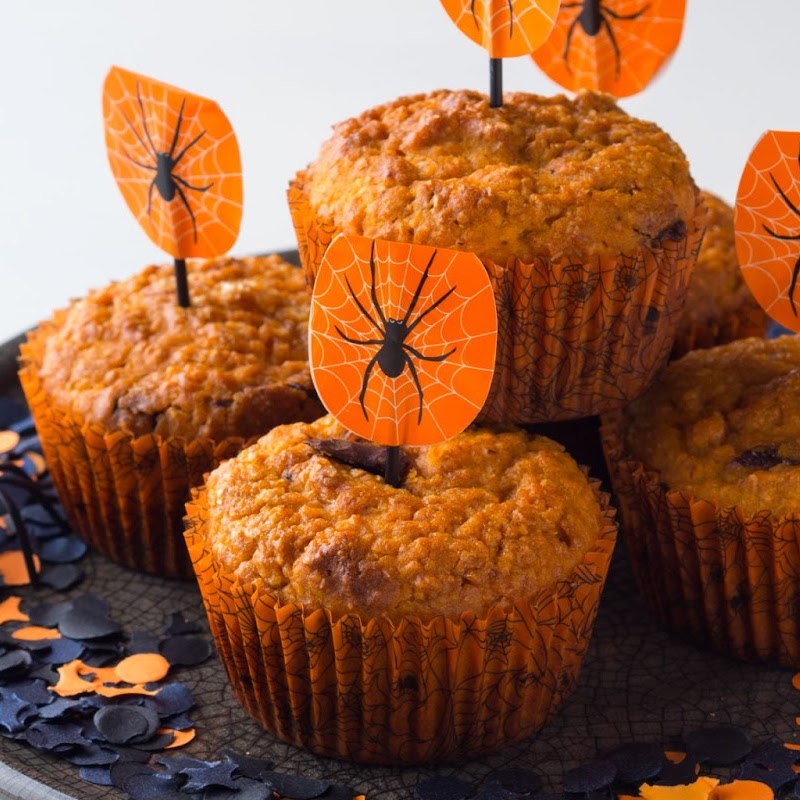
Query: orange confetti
[[142, 668], [10, 611], [796, 684], [504, 28], [742, 790], [180, 738], [767, 223], [34, 633], [790, 746], [8, 441], [176, 161], [13, 568], [699, 790], [75, 677], [402, 339], [614, 46], [674, 756]]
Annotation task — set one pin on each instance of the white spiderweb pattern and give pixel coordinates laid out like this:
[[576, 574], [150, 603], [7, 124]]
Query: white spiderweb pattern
[[464, 326], [768, 261]]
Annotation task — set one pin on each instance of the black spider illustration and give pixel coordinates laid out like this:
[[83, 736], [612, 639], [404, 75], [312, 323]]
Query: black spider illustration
[[165, 179], [510, 5], [394, 354], [793, 237], [593, 17]]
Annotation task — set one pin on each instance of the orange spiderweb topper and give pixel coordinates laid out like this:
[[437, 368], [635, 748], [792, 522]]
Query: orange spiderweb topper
[[614, 46], [767, 224], [176, 161], [505, 28], [402, 339]]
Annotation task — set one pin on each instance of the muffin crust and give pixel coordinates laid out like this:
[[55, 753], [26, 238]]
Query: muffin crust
[[724, 424], [538, 177], [481, 519], [234, 364]]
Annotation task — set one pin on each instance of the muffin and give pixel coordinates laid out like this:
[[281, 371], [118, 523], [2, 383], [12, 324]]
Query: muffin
[[136, 398], [586, 219], [432, 621], [706, 467], [719, 307]]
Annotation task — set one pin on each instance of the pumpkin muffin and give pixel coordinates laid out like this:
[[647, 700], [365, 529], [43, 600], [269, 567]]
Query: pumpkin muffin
[[719, 306], [135, 397], [336, 598], [586, 219], [706, 466]]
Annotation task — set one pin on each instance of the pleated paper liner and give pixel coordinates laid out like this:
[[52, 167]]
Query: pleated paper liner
[[723, 579], [124, 495], [574, 339], [749, 319], [378, 692]]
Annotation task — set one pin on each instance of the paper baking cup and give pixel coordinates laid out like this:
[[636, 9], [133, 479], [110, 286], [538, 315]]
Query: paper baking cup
[[378, 692], [125, 495], [574, 339], [723, 579], [749, 319]]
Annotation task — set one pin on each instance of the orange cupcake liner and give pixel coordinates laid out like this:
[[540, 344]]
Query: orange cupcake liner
[[749, 319], [712, 574], [378, 692], [573, 339], [124, 495]]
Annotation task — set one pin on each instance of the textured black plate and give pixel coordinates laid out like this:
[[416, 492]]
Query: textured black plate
[[638, 683]]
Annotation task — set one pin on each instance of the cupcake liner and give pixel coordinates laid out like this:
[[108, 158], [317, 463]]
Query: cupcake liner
[[721, 578], [747, 320], [374, 691], [124, 495], [574, 339]]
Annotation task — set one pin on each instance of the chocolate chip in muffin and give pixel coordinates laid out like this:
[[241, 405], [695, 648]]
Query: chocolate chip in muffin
[[765, 457], [363, 455]]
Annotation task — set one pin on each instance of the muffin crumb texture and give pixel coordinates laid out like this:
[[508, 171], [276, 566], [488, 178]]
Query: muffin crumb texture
[[724, 424], [482, 519], [537, 177], [129, 358]]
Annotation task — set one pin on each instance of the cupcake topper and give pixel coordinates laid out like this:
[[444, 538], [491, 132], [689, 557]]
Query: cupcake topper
[[402, 340], [505, 28], [176, 161], [614, 46], [767, 225]]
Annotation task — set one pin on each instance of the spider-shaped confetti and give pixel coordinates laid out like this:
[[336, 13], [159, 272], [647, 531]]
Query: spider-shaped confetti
[[395, 354], [164, 163]]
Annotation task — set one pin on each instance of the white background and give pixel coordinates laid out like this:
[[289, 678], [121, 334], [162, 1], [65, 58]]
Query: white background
[[284, 72]]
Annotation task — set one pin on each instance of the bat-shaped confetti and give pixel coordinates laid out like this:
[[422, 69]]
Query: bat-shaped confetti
[[176, 161], [504, 28], [614, 46], [767, 224], [402, 339]]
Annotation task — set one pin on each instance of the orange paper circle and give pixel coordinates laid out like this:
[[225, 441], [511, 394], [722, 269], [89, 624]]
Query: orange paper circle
[[614, 46], [450, 345], [154, 130], [143, 668], [505, 28], [767, 223]]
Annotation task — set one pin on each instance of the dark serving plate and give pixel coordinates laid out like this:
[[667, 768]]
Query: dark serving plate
[[638, 684]]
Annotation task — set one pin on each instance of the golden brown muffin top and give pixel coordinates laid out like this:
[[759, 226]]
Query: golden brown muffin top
[[482, 519], [233, 364], [539, 176], [724, 423], [717, 286]]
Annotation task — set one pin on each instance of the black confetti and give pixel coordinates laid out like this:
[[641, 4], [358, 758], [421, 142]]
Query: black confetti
[[32, 691], [52, 735], [91, 756], [186, 651], [62, 577], [15, 662], [492, 790], [48, 615], [86, 623], [179, 625], [590, 777], [637, 762], [247, 766], [246, 789], [126, 724], [14, 713], [517, 780], [444, 788], [673, 774], [150, 785], [100, 776], [296, 786], [174, 698], [62, 550], [214, 773], [61, 651], [142, 642], [721, 746]]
